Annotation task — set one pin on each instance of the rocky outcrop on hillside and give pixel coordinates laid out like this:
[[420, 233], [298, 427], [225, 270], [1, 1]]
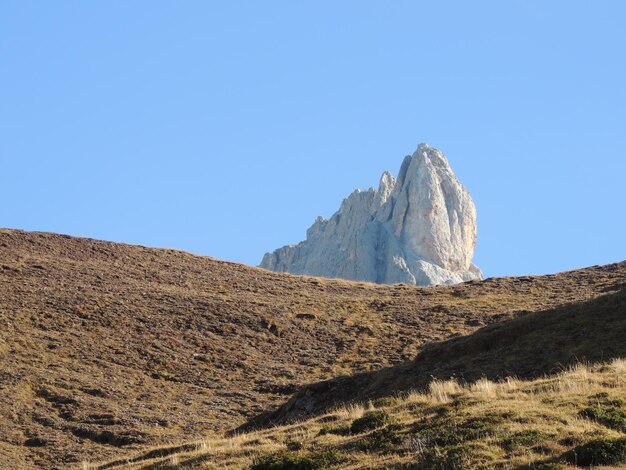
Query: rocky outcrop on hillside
[[417, 229]]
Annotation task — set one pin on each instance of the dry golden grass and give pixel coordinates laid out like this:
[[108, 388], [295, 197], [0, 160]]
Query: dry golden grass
[[486, 388], [509, 424], [442, 391]]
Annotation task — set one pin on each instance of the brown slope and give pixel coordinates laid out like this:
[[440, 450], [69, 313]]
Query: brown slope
[[528, 347], [106, 347]]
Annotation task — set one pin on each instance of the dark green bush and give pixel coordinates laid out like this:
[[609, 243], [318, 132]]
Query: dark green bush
[[338, 431], [449, 431], [293, 444], [599, 452], [385, 440], [383, 402], [371, 420], [461, 457], [287, 460], [546, 466], [526, 438], [604, 398], [455, 458], [611, 417]]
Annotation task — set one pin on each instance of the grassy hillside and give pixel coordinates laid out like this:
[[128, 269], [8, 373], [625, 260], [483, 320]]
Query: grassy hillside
[[576, 417], [107, 349], [529, 346]]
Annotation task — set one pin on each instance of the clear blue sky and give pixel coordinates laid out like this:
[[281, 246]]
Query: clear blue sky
[[225, 127]]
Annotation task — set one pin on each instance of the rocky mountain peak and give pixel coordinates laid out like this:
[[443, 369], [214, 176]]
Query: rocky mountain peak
[[419, 229]]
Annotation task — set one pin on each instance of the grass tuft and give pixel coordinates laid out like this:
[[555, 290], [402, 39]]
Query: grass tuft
[[442, 391]]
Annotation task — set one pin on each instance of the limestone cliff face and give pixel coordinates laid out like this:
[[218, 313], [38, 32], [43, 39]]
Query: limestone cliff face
[[418, 229]]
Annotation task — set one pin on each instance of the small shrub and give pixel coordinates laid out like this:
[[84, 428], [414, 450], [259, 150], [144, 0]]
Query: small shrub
[[371, 420], [454, 458], [36, 442], [449, 432], [384, 401], [437, 457], [526, 438], [288, 460], [385, 440], [293, 444], [338, 431], [570, 441], [547, 466], [599, 452], [610, 417]]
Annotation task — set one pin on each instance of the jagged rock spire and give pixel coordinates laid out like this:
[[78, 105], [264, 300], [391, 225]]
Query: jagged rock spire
[[419, 229]]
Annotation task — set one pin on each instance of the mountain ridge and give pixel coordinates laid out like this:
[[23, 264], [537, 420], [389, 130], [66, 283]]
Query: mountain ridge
[[418, 229]]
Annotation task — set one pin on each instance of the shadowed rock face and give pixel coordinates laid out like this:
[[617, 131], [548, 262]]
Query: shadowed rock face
[[417, 229]]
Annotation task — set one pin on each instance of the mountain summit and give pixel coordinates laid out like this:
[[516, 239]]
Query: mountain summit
[[417, 229]]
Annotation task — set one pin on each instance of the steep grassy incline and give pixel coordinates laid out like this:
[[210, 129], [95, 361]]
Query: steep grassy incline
[[107, 348], [528, 347], [574, 419]]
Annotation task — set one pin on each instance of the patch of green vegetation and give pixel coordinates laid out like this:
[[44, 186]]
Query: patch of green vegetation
[[599, 452], [289, 460], [383, 402], [370, 421], [609, 416], [294, 444], [459, 404], [451, 431], [525, 438], [386, 440], [338, 431], [459, 457], [543, 466]]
